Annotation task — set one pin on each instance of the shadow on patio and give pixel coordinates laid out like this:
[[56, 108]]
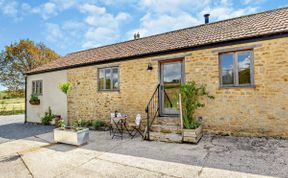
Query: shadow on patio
[[260, 156]]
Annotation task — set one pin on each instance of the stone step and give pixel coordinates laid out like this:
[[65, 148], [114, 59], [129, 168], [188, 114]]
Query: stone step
[[167, 121], [166, 128], [166, 137]]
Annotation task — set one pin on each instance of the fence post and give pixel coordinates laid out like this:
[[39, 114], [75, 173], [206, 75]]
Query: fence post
[[181, 113]]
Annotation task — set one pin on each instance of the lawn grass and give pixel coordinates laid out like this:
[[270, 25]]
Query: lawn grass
[[12, 106], [3, 94]]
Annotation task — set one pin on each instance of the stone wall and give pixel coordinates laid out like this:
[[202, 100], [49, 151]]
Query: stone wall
[[136, 87], [259, 111]]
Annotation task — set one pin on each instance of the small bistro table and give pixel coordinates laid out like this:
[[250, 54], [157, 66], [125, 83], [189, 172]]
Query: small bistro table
[[120, 126]]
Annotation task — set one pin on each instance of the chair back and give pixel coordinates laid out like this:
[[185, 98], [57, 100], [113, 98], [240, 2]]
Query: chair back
[[112, 117], [138, 119]]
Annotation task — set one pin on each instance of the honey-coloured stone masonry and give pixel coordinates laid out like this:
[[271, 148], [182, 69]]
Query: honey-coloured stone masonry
[[258, 111]]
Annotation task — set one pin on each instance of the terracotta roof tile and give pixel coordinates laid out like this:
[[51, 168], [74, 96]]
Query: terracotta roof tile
[[269, 22]]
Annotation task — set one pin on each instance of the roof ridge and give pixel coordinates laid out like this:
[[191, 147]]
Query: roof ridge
[[173, 31]]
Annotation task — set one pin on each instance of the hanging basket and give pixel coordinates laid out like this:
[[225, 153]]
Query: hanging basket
[[34, 102]]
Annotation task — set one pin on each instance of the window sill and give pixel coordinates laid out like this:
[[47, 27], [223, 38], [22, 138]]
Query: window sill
[[243, 86]]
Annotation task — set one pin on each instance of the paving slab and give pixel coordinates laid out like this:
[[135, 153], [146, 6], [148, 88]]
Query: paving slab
[[12, 166], [98, 168]]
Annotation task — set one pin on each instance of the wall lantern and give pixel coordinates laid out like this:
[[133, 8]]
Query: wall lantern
[[149, 67]]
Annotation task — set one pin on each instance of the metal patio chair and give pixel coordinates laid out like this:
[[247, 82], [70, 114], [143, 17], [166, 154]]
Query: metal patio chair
[[136, 127]]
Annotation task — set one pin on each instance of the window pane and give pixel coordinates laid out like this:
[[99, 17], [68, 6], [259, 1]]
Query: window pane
[[226, 63], [115, 78], [37, 87], [244, 64], [101, 79], [33, 87], [108, 78], [40, 87]]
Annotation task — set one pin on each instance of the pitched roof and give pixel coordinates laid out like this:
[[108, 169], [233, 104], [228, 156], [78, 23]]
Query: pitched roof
[[260, 24]]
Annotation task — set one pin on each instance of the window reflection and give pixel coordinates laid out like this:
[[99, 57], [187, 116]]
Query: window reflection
[[227, 69], [244, 63]]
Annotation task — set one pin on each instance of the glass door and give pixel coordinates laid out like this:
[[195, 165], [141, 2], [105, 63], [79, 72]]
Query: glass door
[[170, 80]]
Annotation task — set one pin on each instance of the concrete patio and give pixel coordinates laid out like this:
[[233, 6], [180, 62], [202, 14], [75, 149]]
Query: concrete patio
[[35, 155]]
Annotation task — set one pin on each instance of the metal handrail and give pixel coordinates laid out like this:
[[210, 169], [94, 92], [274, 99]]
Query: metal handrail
[[152, 110]]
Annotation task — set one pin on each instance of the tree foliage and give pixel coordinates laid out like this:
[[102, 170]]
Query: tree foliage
[[20, 57]]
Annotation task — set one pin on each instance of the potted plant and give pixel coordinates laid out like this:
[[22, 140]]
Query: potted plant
[[57, 120], [34, 100], [76, 135], [65, 87], [191, 93], [48, 117]]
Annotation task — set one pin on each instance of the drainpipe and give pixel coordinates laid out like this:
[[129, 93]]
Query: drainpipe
[[25, 99]]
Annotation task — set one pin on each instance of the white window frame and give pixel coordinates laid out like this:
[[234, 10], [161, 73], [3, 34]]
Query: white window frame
[[111, 79], [37, 87]]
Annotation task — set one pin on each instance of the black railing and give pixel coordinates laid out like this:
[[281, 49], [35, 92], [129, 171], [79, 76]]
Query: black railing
[[152, 110]]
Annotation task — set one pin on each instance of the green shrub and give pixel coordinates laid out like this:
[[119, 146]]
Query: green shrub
[[62, 123], [97, 124], [65, 87], [48, 117], [191, 94], [80, 123]]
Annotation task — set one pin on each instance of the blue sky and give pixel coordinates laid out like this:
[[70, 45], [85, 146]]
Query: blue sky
[[73, 25]]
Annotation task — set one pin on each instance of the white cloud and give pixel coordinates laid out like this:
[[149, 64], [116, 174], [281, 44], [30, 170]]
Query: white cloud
[[65, 4], [166, 15], [92, 9], [122, 16], [54, 33], [99, 22], [250, 2], [9, 8], [221, 13], [151, 24], [98, 36], [47, 10]]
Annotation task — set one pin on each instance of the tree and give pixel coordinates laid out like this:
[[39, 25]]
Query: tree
[[20, 57]]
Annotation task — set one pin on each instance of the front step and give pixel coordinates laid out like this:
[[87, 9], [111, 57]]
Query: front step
[[166, 137], [167, 121], [166, 129]]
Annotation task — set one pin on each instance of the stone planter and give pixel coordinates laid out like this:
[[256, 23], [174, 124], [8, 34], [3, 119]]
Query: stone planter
[[71, 137], [192, 135]]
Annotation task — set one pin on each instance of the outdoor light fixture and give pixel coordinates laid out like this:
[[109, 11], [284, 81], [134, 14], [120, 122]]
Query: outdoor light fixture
[[150, 67]]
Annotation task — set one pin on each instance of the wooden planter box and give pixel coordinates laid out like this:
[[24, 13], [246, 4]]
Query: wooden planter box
[[192, 135], [71, 137], [37, 102]]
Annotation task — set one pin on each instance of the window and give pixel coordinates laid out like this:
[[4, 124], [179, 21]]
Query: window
[[108, 78], [236, 69], [37, 88]]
